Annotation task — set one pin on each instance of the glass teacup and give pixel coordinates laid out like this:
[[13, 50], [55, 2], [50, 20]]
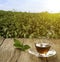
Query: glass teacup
[[42, 48]]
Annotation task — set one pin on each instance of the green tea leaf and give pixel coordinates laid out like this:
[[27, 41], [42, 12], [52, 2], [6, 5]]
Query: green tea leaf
[[20, 46], [17, 41], [26, 47]]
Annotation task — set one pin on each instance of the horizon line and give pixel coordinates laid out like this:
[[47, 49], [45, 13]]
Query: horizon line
[[13, 10]]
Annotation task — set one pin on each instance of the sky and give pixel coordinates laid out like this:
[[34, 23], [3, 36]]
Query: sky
[[31, 5]]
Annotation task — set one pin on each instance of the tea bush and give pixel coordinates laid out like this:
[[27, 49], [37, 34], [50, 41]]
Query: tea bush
[[29, 25]]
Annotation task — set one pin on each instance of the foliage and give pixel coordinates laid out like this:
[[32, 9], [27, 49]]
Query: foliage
[[20, 45], [29, 25]]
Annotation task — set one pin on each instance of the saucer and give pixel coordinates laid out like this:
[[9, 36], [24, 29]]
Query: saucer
[[49, 53]]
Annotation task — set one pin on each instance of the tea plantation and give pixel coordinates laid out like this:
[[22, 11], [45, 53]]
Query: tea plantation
[[29, 25]]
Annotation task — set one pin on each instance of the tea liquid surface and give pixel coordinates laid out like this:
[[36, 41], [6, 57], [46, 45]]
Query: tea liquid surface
[[42, 48]]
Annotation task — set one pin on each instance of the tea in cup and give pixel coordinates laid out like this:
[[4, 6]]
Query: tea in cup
[[42, 48]]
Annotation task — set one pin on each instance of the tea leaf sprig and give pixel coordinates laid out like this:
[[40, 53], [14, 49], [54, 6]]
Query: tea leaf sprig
[[20, 45]]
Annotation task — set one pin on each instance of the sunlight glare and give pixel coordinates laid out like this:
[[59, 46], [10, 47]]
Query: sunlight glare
[[53, 5]]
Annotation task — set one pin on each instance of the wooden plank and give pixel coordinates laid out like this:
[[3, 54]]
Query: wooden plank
[[8, 53], [16, 54], [6, 50], [56, 47], [1, 40], [25, 56]]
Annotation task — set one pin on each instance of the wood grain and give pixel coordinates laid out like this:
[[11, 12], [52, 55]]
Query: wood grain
[[1, 40], [25, 56], [8, 53]]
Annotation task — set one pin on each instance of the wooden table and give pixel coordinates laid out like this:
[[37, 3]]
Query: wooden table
[[8, 53]]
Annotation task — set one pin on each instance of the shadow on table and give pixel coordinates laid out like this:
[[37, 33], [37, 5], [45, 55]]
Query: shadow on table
[[49, 59]]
